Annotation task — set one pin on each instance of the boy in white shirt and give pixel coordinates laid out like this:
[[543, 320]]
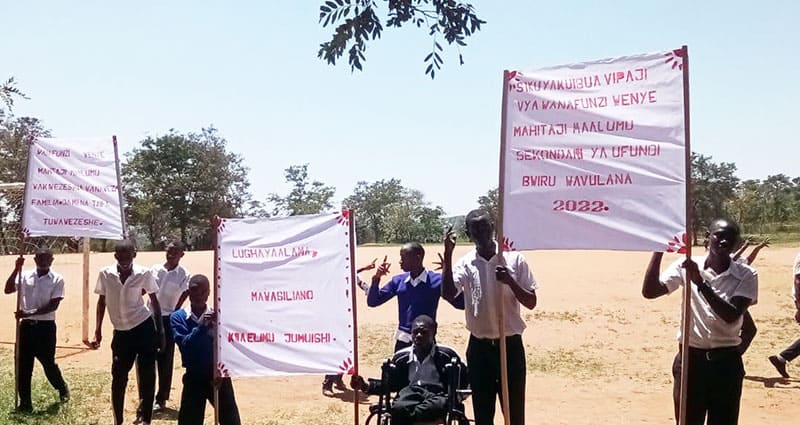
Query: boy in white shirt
[[40, 295], [138, 332]]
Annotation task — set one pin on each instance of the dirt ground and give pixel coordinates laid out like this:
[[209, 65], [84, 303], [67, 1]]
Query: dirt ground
[[597, 352]]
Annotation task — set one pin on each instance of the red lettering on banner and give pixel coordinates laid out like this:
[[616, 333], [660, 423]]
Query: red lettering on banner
[[76, 221], [548, 154], [635, 98], [638, 74], [303, 295], [539, 181], [307, 338], [58, 153], [61, 202], [277, 252], [598, 180], [251, 337]]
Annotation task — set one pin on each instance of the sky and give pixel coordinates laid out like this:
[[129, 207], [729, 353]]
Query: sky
[[250, 68]]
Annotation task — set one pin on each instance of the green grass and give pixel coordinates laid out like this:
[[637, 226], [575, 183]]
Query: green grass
[[90, 397]]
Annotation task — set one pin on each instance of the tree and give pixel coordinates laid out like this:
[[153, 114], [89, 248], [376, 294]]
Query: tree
[[8, 91], [490, 202], [177, 182], [712, 186], [15, 135], [412, 219], [359, 23], [388, 212], [305, 197], [370, 202]]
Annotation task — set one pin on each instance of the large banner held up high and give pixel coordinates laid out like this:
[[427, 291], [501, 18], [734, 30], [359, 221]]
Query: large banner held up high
[[595, 155], [73, 189], [284, 294]]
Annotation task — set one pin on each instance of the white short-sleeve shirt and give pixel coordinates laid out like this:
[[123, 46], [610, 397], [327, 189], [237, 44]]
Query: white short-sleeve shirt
[[125, 303], [708, 329], [37, 291], [475, 276], [171, 284]]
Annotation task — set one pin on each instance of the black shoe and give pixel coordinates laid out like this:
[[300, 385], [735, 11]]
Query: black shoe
[[63, 395], [780, 365], [25, 408], [159, 406], [327, 389]]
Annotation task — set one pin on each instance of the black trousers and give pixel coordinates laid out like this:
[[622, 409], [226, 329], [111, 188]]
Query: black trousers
[[37, 340], [483, 358], [714, 388], [198, 389], [792, 351], [164, 363], [135, 345], [416, 404]]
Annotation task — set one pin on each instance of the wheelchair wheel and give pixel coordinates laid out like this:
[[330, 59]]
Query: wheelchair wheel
[[385, 419]]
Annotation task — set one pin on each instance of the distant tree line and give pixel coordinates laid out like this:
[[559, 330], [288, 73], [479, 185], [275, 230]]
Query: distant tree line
[[176, 182]]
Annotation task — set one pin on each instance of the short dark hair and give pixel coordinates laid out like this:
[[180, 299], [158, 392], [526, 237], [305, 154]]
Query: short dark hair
[[180, 246], [480, 212], [43, 250], [125, 245], [199, 279], [416, 248], [425, 320]]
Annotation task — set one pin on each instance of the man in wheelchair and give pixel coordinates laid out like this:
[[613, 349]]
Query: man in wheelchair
[[426, 377]]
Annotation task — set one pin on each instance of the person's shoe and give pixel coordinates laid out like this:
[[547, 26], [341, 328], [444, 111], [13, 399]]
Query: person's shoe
[[780, 365], [25, 408], [159, 406], [327, 389], [339, 385], [63, 395]]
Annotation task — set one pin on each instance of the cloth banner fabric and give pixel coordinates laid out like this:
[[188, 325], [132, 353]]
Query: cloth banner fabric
[[72, 189], [595, 155], [284, 294]]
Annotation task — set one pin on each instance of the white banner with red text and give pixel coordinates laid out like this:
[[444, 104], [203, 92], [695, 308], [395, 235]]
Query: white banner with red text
[[72, 189], [285, 296], [595, 155]]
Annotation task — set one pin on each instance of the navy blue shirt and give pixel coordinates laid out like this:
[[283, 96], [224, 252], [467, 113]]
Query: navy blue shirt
[[411, 300], [195, 342]]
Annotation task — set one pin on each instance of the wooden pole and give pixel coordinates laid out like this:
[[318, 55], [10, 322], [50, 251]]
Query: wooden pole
[[85, 295], [119, 190], [352, 234], [500, 243], [686, 316], [17, 323], [215, 221]]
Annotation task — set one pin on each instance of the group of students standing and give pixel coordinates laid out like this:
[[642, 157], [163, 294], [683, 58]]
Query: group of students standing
[[723, 287], [473, 284], [145, 334]]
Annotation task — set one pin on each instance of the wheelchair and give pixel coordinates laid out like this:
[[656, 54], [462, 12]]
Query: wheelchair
[[457, 392]]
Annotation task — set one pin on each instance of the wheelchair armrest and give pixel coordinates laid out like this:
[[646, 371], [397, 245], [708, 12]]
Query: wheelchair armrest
[[464, 394]]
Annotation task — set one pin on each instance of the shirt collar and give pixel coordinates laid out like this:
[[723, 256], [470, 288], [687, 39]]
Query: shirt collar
[[190, 314], [413, 357], [423, 277], [49, 274]]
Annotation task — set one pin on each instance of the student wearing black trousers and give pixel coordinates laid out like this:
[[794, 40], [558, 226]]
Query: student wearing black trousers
[[41, 293]]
